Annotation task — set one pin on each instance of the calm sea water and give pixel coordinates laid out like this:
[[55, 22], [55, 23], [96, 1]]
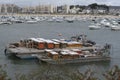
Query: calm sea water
[[15, 32]]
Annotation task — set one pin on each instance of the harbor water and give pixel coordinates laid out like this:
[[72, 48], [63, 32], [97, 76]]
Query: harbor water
[[51, 30]]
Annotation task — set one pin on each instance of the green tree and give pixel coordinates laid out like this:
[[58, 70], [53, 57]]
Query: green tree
[[105, 7], [3, 73], [113, 74], [87, 75], [71, 6], [93, 7], [82, 8]]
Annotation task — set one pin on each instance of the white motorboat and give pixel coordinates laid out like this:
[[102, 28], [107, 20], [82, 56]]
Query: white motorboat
[[31, 21], [94, 27], [115, 27], [105, 23], [5, 22]]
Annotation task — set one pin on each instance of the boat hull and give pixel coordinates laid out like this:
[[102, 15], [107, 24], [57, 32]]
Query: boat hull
[[78, 60], [115, 29], [27, 54]]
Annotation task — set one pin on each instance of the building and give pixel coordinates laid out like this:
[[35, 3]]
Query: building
[[114, 10], [9, 8], [64, 9], [39, 9]]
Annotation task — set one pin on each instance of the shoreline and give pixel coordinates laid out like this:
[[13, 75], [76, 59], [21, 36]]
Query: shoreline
[[65, 15]]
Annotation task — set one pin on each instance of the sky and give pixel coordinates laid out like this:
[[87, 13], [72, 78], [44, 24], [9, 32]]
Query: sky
[[61, 2]]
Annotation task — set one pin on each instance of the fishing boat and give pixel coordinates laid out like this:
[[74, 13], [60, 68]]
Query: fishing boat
[[76, 49]]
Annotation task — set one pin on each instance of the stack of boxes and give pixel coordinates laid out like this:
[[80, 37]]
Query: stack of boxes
[[77, 50], [52, 54], [74, 44], [41, 43], [67, 54]]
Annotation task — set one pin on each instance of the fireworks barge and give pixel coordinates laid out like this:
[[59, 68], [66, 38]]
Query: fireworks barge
[[59, 51]]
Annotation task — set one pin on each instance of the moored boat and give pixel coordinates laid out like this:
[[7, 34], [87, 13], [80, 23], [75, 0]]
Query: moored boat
[[77, 60], [76, 55], [94, 27], [31, 21], [77, 49], [115, 28]]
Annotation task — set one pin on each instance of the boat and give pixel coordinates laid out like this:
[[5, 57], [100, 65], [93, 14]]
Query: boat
[[115, 28], [5, 22], [31, 21], [17, 21], [70, 20], [74, 50], [94, 27], [59, 20], [105, 23], [79, 55]]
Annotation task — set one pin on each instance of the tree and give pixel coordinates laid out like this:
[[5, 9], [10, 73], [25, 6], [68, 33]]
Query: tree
[[105, 7], [87, 75], [82, 8], [3, 73], [76, 6], [72, 6], [113, 74], [93, 7]]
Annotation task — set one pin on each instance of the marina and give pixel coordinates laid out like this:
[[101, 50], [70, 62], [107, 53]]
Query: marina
[[97, 22], [49, 30], [59, 40]]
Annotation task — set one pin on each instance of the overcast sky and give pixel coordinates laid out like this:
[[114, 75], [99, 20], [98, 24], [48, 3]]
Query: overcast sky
[[60, 2]]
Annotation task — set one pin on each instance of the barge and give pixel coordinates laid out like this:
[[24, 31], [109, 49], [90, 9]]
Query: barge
[[77, 60], [78, 55], [77, 49]]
